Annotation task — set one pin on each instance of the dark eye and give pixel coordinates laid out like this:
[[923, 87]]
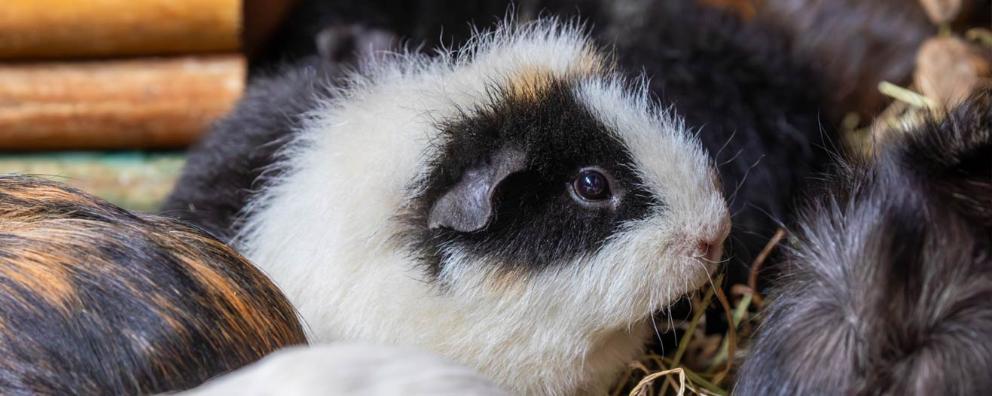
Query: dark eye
[[592, 185]]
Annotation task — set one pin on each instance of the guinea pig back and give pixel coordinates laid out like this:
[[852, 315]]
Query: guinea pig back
[[888, 285], [97, 300]]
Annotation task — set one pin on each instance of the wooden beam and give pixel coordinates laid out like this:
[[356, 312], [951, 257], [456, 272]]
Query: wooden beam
[[38, 29], [142, 103]]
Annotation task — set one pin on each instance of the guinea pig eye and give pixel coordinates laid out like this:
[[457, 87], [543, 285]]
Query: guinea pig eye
[[591, 185]]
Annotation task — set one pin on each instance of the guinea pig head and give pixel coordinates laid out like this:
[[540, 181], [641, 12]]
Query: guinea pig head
[[568, 188]]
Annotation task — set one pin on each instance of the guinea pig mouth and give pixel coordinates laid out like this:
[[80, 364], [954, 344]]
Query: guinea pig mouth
[[706, 252], [709, 249], [710, 252]]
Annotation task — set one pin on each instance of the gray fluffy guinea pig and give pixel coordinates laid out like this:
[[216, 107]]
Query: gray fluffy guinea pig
[[345, 369], [515, 205], [97, 300], [889, 285]]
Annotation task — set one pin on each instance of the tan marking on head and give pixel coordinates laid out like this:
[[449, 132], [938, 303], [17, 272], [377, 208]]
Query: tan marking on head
[[529, 82], [591, 62]]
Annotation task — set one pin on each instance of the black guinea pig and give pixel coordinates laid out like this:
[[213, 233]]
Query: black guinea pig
[[337, 30], [856, 45], [97, 300], [889, 283]]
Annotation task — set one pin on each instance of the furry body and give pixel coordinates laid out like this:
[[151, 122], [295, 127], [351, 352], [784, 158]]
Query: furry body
[[888, 286], [351, 369], [96, 300], [543, 293]]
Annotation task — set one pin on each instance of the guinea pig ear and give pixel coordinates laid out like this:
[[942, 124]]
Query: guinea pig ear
[[468, 205]]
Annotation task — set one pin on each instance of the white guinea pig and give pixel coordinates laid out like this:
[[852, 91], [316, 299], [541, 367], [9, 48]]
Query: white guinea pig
[[351, 369], [516, 205]]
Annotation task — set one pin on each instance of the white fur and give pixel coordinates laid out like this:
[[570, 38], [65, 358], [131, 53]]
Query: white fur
[[325, 231], [348, 370]]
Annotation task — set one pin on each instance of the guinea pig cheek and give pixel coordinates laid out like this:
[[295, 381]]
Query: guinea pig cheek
[[647, 259]]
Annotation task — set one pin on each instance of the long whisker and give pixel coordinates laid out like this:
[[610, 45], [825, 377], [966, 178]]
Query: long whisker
[[654, 324], [739, 152], [725, 144], [733, 196]]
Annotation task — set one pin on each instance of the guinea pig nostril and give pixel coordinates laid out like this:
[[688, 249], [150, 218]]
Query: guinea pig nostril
[[711, 252]]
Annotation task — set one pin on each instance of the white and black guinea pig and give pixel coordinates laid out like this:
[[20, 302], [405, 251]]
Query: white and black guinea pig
[[761, 109], [515, 206], [758, 109], [95, 300], [345, 369], [889, 285]]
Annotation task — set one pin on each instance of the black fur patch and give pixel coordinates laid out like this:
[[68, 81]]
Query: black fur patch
[[235, 160], [536, 223], [429, 23]]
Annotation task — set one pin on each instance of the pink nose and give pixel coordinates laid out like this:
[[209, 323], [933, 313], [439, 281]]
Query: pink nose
[[711, 251]]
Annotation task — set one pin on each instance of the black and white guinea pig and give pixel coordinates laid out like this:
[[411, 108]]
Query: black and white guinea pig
[[516, 206], [345, 369], [889, 282], [757, 108], [761, 107], [96, 300]]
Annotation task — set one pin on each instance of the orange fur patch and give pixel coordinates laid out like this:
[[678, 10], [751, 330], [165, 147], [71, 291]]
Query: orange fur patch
[[530, 82]]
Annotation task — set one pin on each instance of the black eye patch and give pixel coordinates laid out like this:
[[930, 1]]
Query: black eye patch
[[538, 182]]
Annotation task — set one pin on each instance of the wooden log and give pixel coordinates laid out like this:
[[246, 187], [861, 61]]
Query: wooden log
[[142, 103], [36, 29]]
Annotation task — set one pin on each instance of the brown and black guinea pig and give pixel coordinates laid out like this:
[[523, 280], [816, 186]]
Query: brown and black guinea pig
[[97, 300]]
